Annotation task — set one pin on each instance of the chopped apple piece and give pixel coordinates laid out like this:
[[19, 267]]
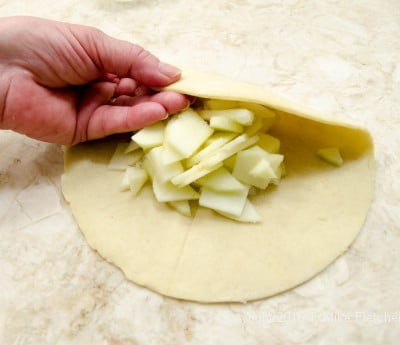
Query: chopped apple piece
[[137, 177], [120, 160], [240, 143], [255, 127], [133, 146], [217, 104], [213, 161], [210, 146], [269, 143], [220, 180], [230, 162], [155, 166], [262, 170], [224, 123], [124, 186], [182, 206], [331, 155], [248, 160], [194, 173], [169, 155], [248, 215], [258, 109], [242, 116], [150, 136], [167, 192], [230, 203], [186, 132]]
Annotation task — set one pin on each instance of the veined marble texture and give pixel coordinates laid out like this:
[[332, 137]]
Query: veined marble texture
[[338, 56]]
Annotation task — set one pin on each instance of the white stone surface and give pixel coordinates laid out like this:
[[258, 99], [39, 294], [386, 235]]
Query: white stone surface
[[338, 56]]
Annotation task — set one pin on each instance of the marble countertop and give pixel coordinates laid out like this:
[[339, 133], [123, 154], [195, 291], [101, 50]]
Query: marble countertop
[[338, 56]]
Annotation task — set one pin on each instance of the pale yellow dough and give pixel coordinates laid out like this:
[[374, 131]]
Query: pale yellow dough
[[308, 220]]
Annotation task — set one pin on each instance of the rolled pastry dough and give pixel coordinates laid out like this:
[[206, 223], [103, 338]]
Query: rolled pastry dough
[[308, 220]]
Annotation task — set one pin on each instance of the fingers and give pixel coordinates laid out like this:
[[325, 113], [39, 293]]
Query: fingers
[[171, 101], [123, 58], [133, 113], [110, 119]]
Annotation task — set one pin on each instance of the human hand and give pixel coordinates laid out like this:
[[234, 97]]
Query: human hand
[[66, 84]]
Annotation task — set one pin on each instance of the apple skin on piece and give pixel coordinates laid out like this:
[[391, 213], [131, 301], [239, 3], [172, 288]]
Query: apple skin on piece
[[186, 132], [150, 136]]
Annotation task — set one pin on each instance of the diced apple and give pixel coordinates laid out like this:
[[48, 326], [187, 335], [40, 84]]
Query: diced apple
[[220, 180], [120, 160], [155, 166], [230, 203], [242, 116], [186, 132], [331, 155], [248, 160], [210, 146], [167, 192], [150, 136], [258, 109], [224, 123], [214, 161], [248, 215], [217, 104], [255, 127], [262, 170], [229, 149], [125, 183], [137, 177], [133, 146], [230, 162], [193, 174], [169, 155], [182, 206], [269, 143]]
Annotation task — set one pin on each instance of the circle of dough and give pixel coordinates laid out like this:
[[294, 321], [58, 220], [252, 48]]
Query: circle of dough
[[308, 220]]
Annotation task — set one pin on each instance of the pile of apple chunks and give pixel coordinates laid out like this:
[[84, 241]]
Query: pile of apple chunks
[[216, 153]]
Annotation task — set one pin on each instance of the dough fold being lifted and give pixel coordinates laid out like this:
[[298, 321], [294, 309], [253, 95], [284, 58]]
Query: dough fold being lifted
[[308, 220]]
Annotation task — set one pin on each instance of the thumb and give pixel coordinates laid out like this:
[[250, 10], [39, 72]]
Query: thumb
[[124, 59]]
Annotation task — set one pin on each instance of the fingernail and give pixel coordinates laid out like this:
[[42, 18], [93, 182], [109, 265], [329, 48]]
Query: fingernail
[[165, 117], [187, 105], [169, 70]]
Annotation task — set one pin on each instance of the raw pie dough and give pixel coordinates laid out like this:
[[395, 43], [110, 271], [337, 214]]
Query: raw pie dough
[[308, 221]]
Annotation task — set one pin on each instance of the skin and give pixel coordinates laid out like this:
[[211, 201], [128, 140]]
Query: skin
[[66, 84]]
